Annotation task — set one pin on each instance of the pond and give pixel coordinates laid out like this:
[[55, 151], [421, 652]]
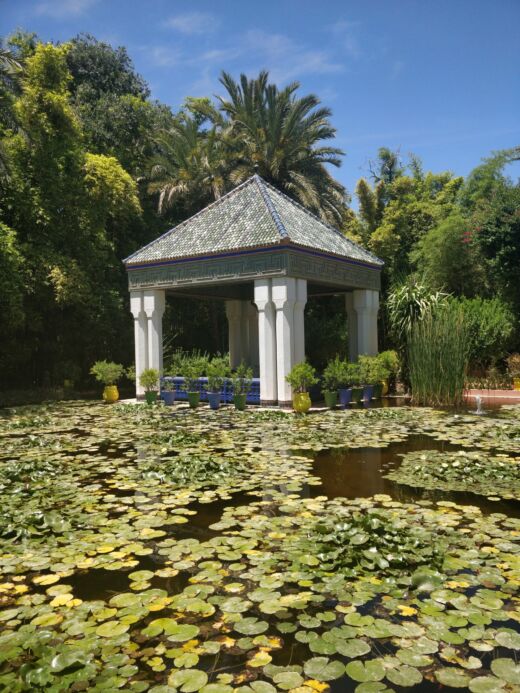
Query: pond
[[162, 549]]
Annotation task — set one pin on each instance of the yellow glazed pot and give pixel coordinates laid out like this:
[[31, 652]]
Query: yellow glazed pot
[[110, 394], [516, 383], [385, 387], [301, 402]]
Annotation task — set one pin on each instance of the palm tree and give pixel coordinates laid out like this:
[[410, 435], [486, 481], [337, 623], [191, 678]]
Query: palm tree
[[279, 134], [190, 168], [255, 128], [9, 65]]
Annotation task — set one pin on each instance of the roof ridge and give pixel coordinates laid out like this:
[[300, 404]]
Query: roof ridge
[[193, 216], [313, 216], [261, 184]]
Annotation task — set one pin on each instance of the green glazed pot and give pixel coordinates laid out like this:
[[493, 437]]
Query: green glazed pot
[[357, 394], [150, 397], [193, 399], [239, 402], [331, 398]]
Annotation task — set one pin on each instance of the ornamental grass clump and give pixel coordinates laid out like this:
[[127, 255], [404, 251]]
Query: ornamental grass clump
[[437, 355]]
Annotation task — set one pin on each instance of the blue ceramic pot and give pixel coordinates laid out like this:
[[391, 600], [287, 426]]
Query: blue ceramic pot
[[214, 400], [168, 397], [345, 396], [368, 391]]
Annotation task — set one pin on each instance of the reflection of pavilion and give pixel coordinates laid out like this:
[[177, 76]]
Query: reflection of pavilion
[[264, 255]]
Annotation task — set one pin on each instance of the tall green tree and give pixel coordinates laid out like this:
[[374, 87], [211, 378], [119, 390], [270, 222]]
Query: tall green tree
[[448, 258], [111, 100], [70, 213]]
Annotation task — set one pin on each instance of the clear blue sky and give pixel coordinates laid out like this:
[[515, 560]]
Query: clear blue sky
[[439, 78]]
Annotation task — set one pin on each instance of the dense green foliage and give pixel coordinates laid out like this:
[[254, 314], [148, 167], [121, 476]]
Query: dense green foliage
[[91, 168]]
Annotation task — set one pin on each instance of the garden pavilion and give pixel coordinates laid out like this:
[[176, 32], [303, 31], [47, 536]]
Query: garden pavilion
[[265, 256]]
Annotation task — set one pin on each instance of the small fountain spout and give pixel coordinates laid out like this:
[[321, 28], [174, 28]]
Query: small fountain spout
[[478, 400]]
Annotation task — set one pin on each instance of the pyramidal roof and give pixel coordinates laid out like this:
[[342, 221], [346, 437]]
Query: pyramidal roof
[[253, 215]]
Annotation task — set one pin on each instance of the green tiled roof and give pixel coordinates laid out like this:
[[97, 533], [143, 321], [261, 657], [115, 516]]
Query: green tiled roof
[[253, 215]]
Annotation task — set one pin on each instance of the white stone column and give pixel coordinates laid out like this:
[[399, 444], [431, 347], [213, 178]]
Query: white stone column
[[252, 335], [154, 303], [352, 327], [284, 299], [299, 320], [266, 341], [234, 316], [140, 338], [366, 304]]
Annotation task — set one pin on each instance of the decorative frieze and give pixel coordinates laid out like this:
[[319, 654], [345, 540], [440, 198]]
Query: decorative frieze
[[276, 263], [325, 270], [210, 271]]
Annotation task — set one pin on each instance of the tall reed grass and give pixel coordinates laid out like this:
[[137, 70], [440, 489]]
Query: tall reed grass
[[438, 349]]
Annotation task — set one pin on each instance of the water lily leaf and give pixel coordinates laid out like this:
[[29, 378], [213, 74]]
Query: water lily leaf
[[286, 680], [188, 680], [111, 629], [68, 660], [508, 639], [371, 670], [412, 658], [404, 676], [450, 676], [262, 687], [371, 687], [260, 659], [506, 670], [251, 626], [486, 684], [352, 648], [181, 632], [323, 669]]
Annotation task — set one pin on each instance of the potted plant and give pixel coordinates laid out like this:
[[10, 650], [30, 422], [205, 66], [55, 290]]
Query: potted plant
[[389, 360], [168, 392], [344, 384], [355, 378], [365, 368], [513, 365], [331, 379], [149, 379], [301, 378], [241, 384], [191, 382], [376, 373], [217, 371], [108, 373]]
